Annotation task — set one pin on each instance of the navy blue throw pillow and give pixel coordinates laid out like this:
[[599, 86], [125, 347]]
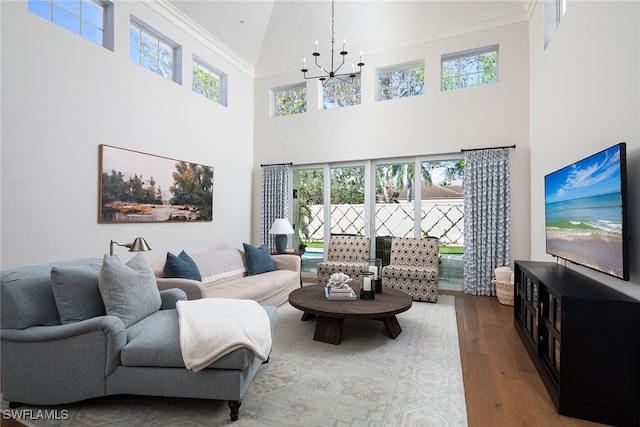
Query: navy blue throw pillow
[[181, 266], [258, 259]]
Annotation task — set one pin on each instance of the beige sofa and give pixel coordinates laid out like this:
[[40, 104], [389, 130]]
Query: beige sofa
[[224, 275]]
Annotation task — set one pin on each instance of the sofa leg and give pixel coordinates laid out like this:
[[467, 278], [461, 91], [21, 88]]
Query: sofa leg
[[234, 405]]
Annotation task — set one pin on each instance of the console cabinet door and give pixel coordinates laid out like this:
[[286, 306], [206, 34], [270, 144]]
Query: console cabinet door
[[526, 306], [549, 328]]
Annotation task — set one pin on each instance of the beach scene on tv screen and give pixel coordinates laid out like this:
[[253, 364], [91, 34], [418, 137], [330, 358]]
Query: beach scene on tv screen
[[583, 207]]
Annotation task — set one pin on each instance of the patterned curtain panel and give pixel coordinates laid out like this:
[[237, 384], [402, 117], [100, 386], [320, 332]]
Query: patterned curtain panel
[[275, 199], [487, 220]]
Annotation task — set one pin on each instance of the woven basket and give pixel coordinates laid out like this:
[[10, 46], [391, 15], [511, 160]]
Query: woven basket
[[504, 292]]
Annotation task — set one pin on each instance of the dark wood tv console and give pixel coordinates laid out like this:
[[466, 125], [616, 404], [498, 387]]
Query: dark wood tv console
[[584, 339]]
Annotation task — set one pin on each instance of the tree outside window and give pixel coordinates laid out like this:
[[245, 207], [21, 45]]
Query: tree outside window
[[401, 83], [339, 93], [470, 69], [150, 51], [292, 100], [206, 82]]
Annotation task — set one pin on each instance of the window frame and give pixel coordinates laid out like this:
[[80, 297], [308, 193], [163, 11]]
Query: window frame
[[395, 68], [107, 28], [371, 226], [176, 49], [469, 53], [293, 87], [554, 11], [323, 88], [211, 70]]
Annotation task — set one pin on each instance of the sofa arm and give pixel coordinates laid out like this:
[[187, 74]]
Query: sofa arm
[[61, 363], [287, 262], [193, 288], [111, 326], [170, 297]]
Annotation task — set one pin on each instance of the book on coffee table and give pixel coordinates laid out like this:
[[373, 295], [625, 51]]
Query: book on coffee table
[[339, 294]]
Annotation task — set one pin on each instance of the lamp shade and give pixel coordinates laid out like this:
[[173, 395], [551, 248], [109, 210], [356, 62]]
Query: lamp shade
[[281, 226], [139, 245]]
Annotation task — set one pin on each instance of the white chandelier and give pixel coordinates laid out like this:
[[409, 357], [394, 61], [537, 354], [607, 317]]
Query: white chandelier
[[326, 76]]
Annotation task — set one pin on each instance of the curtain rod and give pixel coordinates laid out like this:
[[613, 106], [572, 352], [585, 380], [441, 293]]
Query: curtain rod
[[277, 164], [487, 148]]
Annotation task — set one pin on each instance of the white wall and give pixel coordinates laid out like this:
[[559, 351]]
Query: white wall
[[435, 123], [585, 96], [62, 96]]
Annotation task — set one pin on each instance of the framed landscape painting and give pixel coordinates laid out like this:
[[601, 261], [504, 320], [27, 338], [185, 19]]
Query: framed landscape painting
[[140, 187]]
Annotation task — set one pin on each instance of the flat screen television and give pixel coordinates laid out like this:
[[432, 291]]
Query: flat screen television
[[585, 212]]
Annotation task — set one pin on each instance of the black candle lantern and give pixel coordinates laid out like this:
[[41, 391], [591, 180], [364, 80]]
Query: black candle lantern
[[367, 291], [375, 266]]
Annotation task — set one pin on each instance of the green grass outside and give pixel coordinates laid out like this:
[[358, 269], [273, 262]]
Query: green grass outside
[[457, 250], [316, 245]]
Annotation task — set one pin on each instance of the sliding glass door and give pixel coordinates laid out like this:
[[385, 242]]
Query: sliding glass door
[[381, 200], [308, 216], [442, 214], [347, 190]]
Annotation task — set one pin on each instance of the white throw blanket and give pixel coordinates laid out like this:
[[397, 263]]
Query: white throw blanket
[[213, 327]]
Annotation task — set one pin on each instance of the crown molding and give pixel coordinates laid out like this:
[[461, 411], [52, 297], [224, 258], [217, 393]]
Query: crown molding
[[529, 6], [512, 15], [171, 13], [487, 21]]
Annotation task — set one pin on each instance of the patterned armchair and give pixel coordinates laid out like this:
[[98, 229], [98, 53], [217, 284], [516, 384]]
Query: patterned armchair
[[413, 268], [348, 255]]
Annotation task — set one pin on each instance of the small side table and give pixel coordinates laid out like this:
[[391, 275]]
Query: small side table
[[288, 253]]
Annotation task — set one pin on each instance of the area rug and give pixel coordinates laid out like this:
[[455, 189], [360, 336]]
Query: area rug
[[367, 380]]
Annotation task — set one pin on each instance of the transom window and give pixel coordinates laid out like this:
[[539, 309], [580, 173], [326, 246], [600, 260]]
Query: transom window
[[401, 82], [290, 100], [554, 11], [87, 18], [470, 68], [209, 82], [151, 50], [339, 93]]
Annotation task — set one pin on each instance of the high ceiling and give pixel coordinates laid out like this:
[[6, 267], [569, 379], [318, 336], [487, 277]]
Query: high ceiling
[[274, 35]]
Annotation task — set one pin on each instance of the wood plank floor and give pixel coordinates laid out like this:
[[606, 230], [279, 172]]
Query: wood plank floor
[[502, 387]]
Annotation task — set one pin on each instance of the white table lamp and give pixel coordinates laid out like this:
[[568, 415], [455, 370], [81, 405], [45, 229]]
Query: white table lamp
[[281, 228]]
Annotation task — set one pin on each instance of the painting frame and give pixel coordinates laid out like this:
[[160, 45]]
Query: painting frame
[[138, 187]]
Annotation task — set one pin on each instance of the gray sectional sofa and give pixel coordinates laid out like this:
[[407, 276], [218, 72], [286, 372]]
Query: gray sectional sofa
[[51, 358]]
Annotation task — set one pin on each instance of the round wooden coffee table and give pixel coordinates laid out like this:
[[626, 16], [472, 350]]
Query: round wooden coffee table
[[331, 313]]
